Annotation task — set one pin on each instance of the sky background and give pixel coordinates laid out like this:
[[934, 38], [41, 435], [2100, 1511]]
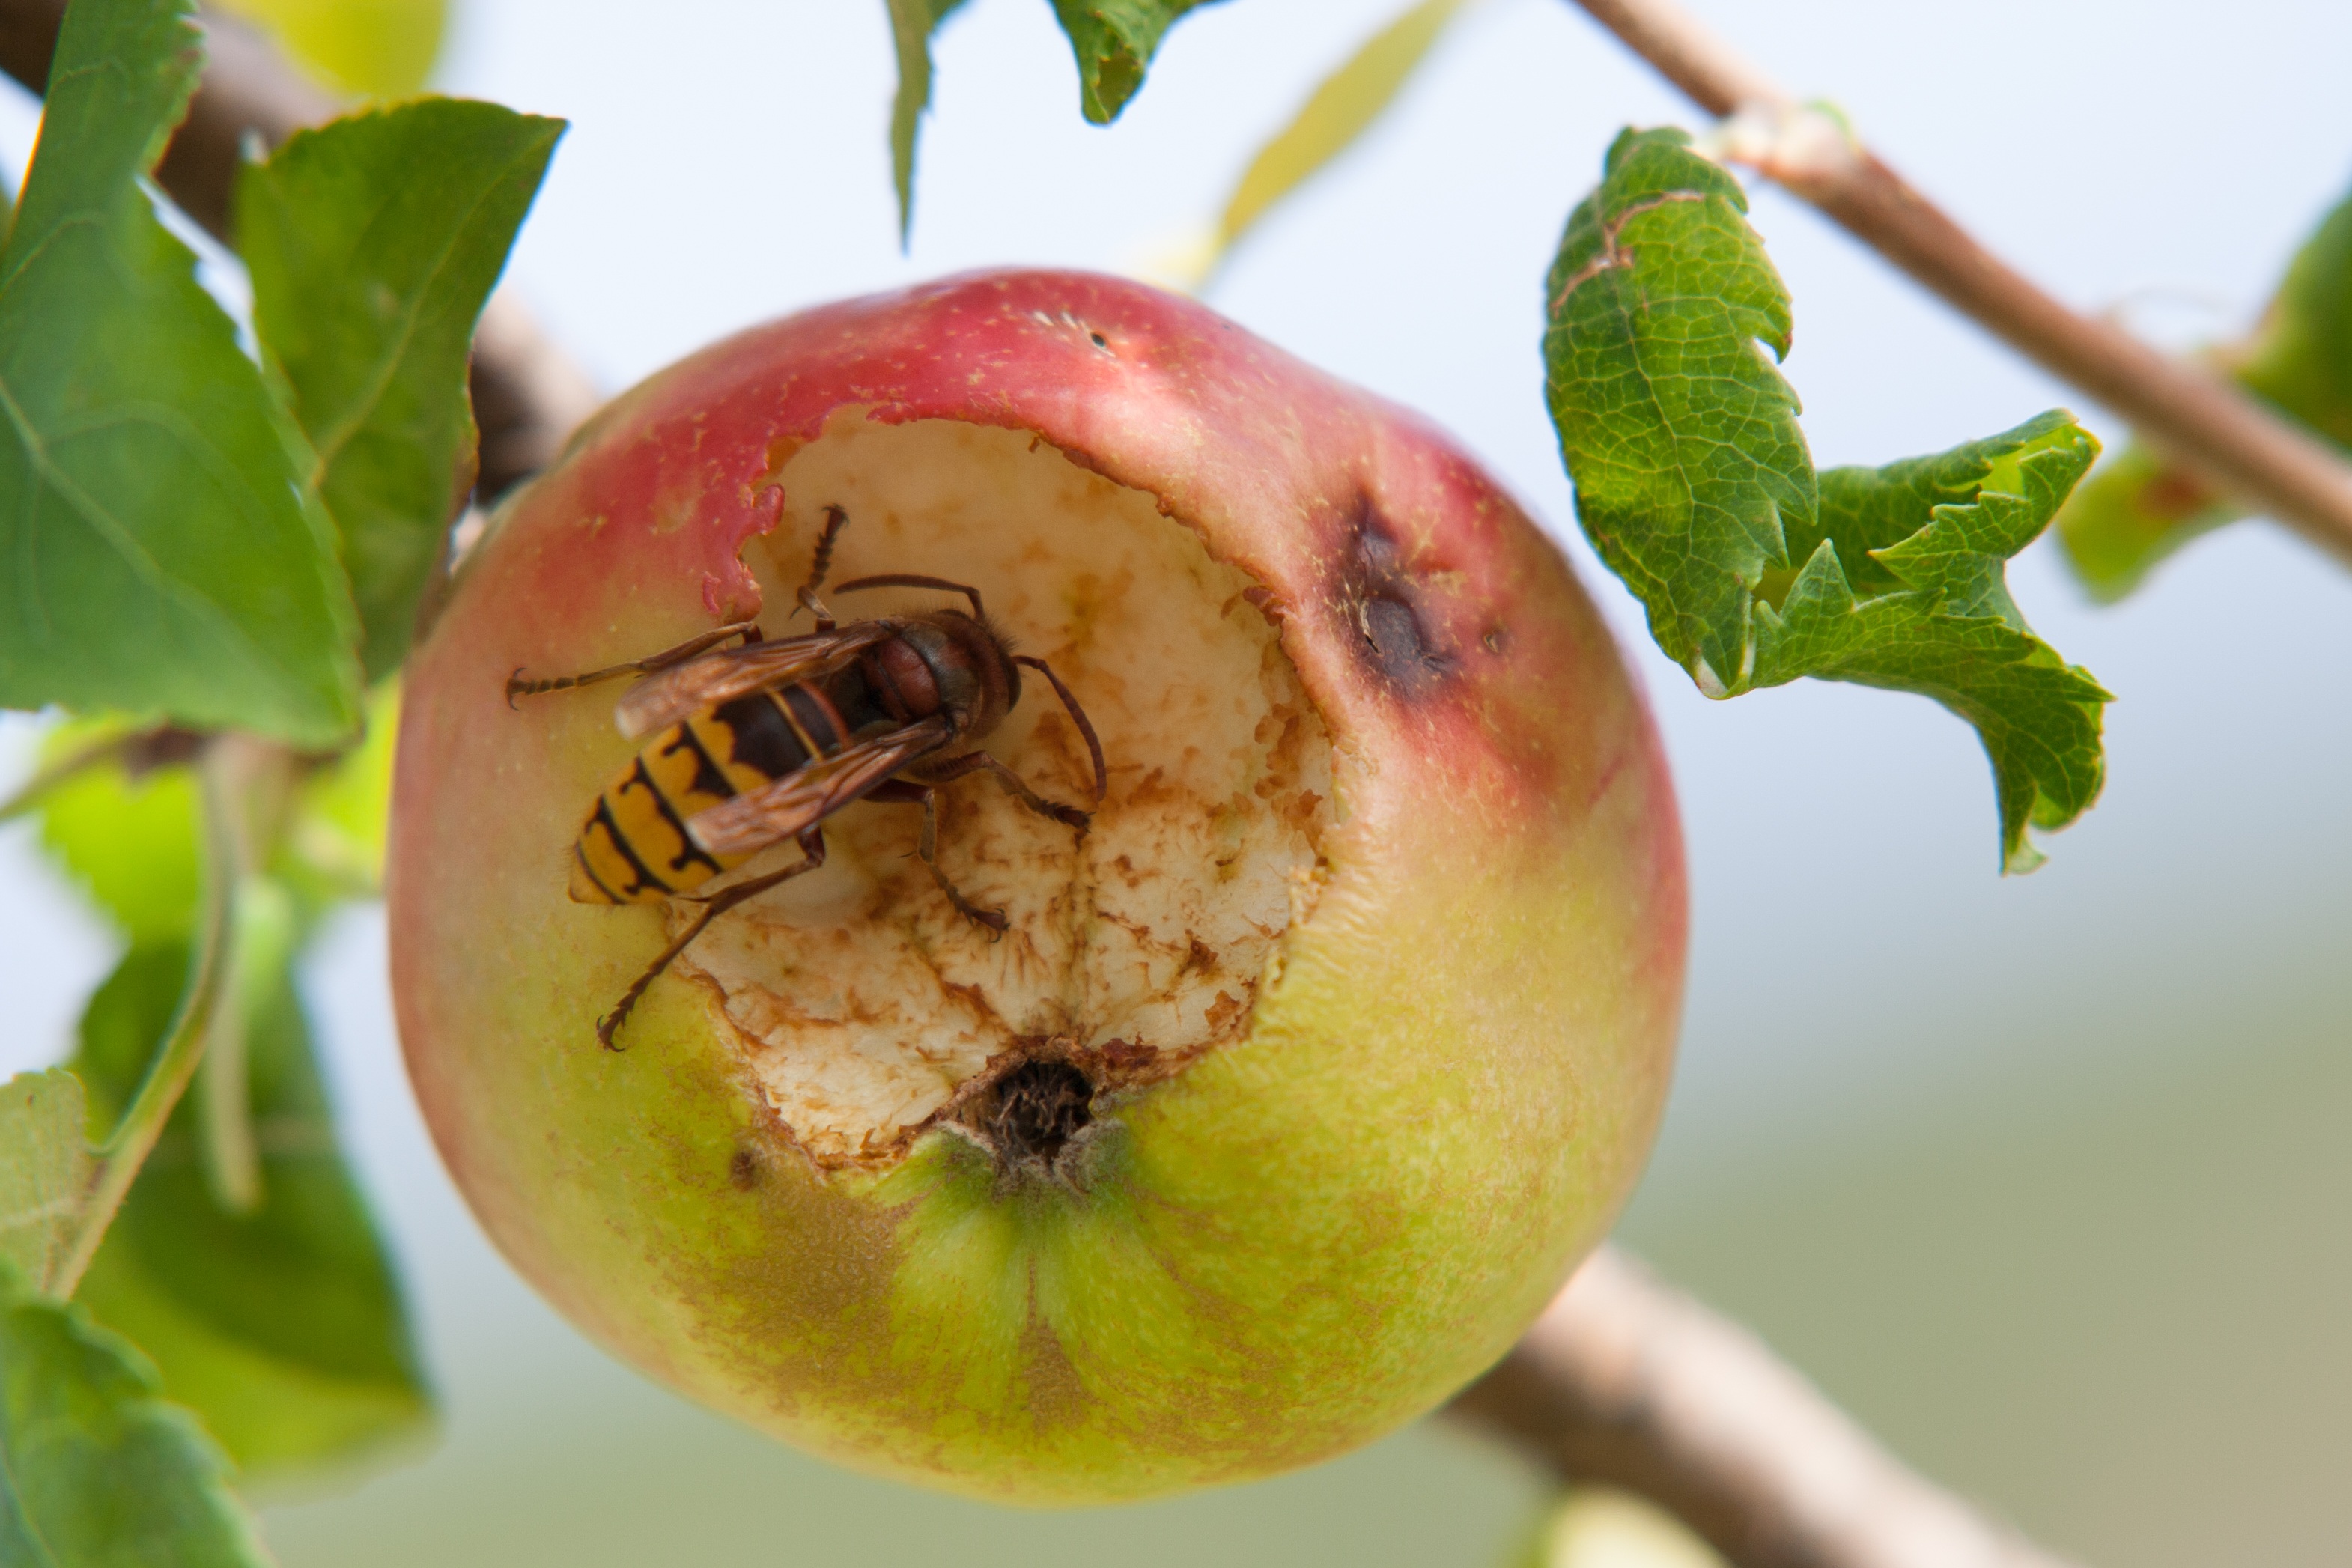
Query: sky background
[[2047, 1178]]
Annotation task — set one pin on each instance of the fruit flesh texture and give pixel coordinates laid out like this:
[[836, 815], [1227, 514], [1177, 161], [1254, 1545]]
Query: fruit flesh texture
[[1334, 1164]]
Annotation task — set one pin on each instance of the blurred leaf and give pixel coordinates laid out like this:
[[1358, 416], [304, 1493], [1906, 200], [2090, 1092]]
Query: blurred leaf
[[1598, 1527], [134, 846], [1680, 434], [374, 242], [912, 23], [98, 1469], [1693, 481], [283, 1327], [333, 849], [2141, 507], [2135, 509], [2301, 357], [45, 1171], [1114, 41], [1930, 612], [1338, 112], [372, 48], [165, 554]]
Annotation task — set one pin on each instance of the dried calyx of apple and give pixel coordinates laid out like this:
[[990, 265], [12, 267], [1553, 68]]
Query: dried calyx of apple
[[1294, 1082]]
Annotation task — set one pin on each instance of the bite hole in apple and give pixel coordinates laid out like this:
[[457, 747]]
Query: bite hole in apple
[[861, 1002]]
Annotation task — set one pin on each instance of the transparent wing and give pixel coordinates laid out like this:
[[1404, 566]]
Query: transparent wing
[[660, 700], [806, 797]]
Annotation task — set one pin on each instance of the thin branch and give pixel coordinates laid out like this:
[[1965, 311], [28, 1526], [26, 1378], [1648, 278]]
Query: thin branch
[[181, 1050], [2237, 442], [1626, 1383], [527, 395]]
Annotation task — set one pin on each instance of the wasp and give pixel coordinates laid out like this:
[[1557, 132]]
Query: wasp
[[762, 741]]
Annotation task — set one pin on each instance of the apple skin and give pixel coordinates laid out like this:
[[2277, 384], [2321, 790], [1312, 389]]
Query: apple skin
[[1312, 1235]]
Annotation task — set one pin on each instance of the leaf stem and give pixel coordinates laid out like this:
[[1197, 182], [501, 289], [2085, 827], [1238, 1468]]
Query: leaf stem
[[175, 1061], [2234, 441]]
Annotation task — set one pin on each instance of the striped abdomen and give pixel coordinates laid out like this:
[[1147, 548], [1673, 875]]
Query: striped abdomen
[[634, 847]]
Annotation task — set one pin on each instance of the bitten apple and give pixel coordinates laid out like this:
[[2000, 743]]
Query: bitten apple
[[1297, 1082]]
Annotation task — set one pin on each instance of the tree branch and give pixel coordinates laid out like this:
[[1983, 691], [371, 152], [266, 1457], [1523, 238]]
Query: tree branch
[[527, 395], [2229, 438], [1625, 1382]]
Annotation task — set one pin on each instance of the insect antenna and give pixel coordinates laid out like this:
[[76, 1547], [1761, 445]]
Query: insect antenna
[[915, 580]]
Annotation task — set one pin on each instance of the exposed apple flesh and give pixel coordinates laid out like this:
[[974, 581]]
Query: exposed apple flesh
[[864, 1000], [1296, 1084]]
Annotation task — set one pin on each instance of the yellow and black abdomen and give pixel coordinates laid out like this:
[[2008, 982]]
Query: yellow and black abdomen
[[634, 849]]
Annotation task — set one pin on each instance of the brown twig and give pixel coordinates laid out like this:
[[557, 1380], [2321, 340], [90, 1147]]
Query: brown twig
[[1623, 1382], [527, 395], [2237, 442]]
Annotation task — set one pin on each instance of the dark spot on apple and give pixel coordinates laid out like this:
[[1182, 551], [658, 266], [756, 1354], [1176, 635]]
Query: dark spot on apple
[[743, 1170], [1384, 601], [1099, 340], [1035, 1111]]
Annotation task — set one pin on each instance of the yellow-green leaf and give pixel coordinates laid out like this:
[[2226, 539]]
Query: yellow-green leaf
[[1338, 112], [370, 49]]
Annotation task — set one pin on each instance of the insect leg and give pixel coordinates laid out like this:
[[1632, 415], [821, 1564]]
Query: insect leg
[[927, 848], [949, 768], [812, 856], [702, 643], [1086, 726], [835, 519]]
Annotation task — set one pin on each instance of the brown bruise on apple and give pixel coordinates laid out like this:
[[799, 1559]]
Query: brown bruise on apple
[[864, 1007]]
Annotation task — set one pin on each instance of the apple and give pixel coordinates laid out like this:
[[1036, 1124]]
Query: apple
[[1297, 1081]]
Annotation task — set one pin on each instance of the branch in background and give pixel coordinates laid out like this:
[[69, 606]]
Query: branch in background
[[1625, 1382], [529, 396], [2219, 432]]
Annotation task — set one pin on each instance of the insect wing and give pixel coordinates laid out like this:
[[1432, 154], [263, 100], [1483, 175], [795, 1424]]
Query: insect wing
[[807, 795], [660, 700]]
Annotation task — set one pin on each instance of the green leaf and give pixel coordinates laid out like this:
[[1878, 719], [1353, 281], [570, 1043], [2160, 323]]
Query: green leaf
[[2140, 506], [99, 1472], [2301, 357], [45, 1171], [1341, 108], [134, 846], [372, 48], [1926, 607], [374, 242], [1693, 481], [1114, 41], [163, 553], [283, 1327], [912, 23], [1680, 433]]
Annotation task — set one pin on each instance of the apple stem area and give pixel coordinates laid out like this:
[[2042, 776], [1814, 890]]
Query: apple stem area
[[1033, 1112]]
